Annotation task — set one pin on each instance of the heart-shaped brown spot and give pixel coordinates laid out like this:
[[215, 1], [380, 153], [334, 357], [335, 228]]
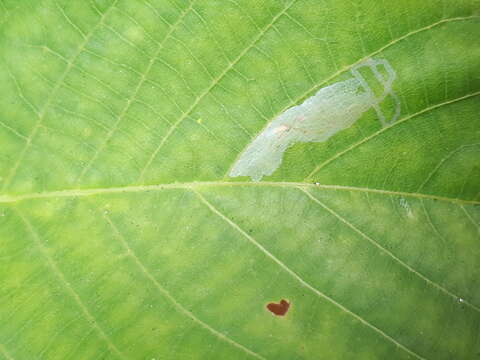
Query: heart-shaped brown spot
[[279, 309]]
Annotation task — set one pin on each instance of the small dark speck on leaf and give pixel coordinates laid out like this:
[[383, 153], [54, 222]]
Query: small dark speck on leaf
[[279, 309]]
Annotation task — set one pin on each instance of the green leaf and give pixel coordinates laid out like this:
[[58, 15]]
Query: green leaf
[[125, 235]]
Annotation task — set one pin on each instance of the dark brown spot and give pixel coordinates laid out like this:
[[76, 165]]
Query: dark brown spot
[[279, 309]]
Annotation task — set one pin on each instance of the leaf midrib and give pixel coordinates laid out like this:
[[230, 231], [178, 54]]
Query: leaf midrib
[[202, 184]]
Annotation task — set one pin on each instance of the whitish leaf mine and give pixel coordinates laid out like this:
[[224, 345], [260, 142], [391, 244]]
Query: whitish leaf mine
[[331, 109]]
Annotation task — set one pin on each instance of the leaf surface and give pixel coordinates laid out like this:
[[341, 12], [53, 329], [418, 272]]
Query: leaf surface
[[122, 235]]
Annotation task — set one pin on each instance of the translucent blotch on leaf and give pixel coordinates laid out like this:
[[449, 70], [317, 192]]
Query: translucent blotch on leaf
[[331, 109]]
